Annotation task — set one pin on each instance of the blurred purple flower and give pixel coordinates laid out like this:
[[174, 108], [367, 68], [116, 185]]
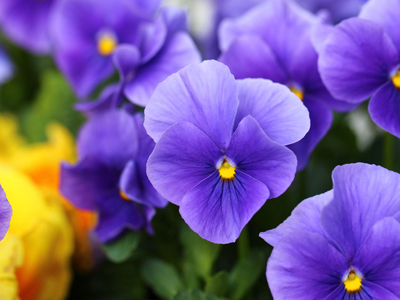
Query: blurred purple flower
[[219, 152], [250, 51], [26, 23], [361, 59], [344, 244], [88, 34], [110, 176], [6, 67], [5, 213]]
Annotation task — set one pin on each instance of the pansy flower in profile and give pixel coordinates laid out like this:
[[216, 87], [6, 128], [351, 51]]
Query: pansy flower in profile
[[5, 214], [219, 151], [87, 34], [27, 22], [251, 51], [343, 244], [360, 59], [110, 176]]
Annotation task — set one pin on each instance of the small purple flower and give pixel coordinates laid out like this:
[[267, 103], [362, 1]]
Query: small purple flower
[[219, 152], [361, 59], [110, 176], [5, 213], [251, 51], [344, 244], [6, 67], [26, 22]]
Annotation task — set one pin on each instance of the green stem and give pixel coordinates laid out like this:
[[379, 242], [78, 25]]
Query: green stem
[[243, 244], [388, 151]]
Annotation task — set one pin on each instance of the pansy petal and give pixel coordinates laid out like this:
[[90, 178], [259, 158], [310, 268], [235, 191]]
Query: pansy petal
[[250, 57], [5, 213], [88, 182], [386, 14], [369, 291], [179, 52], [378, 259], [356, 60], [384, 108], [280, 113], [305, 217], [218, 210], [321, 119], [256, 155], [111, 136], [126, 59], [304, 266], [183, 157], [204, 94], [363, 195]]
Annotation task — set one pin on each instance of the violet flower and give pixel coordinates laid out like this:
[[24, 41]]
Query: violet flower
[[110, 177], [5, 213], [27, 22], [251, 51], [361, 59], [6, 67], [219, 152], [344, 244]]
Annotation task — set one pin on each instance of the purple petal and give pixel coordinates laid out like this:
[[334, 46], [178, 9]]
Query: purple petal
[[111, 136], [257, 156], [369, 291], [304, 266], [280, 113], [305, 217], [126, 59], [204, 94], [378, 259], [384, 108], [356, 60], [385, 13], [363, 195], [177, 53], [319, 34], [5, 213], [183, 157], [250, 57], [87, 183], [321, 120], [6, 67], [218, 210]]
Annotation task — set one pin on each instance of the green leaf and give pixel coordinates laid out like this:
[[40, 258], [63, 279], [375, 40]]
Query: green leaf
[[162, 277], [246, 273], [219, 284], [201, 253], [195, 295], [120, 250]]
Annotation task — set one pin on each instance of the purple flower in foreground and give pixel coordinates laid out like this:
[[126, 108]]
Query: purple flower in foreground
[[110, 176], [361, 59], [26, 22], [5, 214], [219, 152], [344, 244], [6, 67], [250, 51]]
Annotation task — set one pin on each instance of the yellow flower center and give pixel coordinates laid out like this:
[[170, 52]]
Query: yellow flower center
[[226, 171], [353, 283], [124, 196], [106, 44], [298, 92], [396, 80]]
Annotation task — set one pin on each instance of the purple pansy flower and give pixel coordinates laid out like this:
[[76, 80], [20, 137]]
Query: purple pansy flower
[[6, 67], [361, 59], [89, 33], [250, 51], [110, 176], [26, 22], [219, 152], [5, 213], [344, 244]]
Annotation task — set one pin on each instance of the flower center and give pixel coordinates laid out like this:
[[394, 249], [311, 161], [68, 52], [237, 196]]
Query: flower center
[[353, 283], [297, 91], [124, 196], [106, 44], [226, 171], [396, 79]]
